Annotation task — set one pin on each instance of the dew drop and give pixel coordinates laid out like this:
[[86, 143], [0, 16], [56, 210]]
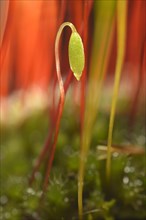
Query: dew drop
[[125, 180], [127, 169], [30, 191]]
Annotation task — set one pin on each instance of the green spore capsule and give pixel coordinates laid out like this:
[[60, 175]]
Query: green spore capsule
[[76, 55]]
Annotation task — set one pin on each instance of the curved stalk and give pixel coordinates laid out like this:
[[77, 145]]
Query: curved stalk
[[76, 60], [62, 98], [60, 81], [75, 49]]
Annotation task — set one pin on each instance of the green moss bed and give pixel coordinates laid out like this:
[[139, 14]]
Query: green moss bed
[[123, 198]]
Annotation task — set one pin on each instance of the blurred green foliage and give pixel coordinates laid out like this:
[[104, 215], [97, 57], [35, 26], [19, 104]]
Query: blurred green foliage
[[20, 145]]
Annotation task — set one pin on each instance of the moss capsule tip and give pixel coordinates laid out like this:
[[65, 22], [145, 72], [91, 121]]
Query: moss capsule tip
[[76, 55]]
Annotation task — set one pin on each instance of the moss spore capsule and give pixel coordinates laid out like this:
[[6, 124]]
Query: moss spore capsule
[[76, 55]]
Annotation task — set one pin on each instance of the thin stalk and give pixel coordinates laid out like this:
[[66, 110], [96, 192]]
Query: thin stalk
[[121, 36], [47, 146], [99, 62], [62, 98], [50, 147]]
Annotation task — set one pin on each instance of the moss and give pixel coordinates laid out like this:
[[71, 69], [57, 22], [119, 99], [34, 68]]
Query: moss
[[124, 199]]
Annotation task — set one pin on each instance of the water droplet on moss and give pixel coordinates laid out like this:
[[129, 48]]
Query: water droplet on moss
[[30, 191], [125, 180], [127, 169]]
